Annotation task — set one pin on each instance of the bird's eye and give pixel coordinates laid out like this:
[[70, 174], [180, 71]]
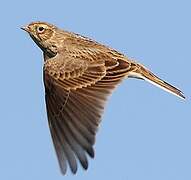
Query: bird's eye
[[40, 29]]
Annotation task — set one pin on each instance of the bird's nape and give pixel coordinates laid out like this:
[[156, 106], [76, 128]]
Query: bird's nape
[[79, 76]]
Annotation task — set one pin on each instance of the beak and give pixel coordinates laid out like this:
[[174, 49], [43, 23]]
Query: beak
[[25, 29]]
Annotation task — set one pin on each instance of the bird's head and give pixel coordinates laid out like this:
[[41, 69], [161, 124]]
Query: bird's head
[[41, 31], [42, 34]]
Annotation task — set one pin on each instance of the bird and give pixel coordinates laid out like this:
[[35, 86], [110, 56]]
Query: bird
[[79, 75]]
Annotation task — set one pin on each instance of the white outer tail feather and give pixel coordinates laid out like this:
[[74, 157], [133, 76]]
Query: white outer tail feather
[[139, 76]]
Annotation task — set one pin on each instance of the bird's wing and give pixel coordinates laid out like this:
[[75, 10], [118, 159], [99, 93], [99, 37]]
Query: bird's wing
[[76, 91]]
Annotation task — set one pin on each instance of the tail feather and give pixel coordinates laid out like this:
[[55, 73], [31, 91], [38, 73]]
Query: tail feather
[[142, 73]]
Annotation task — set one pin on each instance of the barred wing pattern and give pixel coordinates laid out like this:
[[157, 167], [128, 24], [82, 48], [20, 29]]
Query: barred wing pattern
[[76, 92]]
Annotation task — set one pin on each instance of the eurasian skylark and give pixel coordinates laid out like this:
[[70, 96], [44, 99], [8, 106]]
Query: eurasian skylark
[[79, 75]]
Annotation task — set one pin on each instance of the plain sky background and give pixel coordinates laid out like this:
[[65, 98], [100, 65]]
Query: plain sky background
[[145, 133]]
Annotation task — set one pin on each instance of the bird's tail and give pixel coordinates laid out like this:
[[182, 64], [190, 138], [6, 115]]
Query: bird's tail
[[142, 73]]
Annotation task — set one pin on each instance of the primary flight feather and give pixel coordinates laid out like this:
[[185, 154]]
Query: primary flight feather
[[79, 75]]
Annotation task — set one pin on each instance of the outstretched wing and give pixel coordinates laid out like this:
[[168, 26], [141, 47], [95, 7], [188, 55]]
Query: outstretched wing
[[76, 91]]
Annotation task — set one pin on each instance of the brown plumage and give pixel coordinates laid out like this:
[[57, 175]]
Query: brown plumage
[[79, 75]]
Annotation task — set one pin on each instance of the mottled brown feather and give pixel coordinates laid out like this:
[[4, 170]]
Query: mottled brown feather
[[77, 102], [79, 75]]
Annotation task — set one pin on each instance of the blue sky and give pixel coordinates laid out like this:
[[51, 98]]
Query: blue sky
[[145, 133]]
